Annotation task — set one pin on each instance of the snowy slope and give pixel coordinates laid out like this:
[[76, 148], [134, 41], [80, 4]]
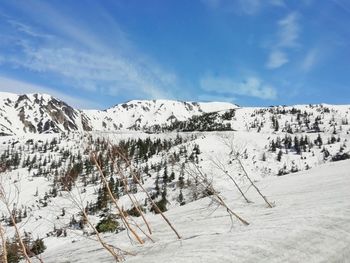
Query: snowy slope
[[328, 116], [310, 223], [41, 113], [141, 114], [37, 113]]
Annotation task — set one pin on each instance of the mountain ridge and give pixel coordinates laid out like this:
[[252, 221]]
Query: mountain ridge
[[50, 167], [43, 113]]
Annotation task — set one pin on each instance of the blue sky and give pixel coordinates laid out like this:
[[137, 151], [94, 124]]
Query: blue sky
[[94, 54]]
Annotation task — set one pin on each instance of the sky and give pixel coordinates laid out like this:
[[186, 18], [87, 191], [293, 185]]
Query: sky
[[95, 54]]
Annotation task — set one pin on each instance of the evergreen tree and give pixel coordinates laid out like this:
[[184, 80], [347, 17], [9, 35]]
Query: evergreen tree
[[273, 146], [297, 145], [318, 141], [165, 174], [172, 176], [279, 155], [181, 198]]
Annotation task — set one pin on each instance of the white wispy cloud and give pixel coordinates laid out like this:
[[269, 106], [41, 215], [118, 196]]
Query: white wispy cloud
[[20, 87], [310, 60], [289, 30], [251, 86], [95, 72], [287, 39], [26, 29], [211, 97], [277, 59], [62, 24], [81, 58]]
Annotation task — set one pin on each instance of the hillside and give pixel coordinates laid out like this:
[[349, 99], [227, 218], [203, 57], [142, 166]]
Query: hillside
[[310, 223], [146, 115], [37, 113], [41, 113], [70, 177]]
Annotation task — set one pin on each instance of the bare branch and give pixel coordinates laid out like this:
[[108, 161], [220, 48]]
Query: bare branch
[[13, 220], [134, 176], [218, 164], [137, 237], [198, 173], [236, 152], [3, 244]]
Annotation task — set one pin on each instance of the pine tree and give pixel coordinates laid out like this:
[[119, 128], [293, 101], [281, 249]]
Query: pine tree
[[165, 174], [273, 146], [276, 125], [157, 185], [181, 198], [279, 155], [181, 182], [172, 176], [318, 141], [111, 183], [297, 145]]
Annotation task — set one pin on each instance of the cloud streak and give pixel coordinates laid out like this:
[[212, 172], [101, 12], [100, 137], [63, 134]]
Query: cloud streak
[[277, 59], [287, 38], [75, 56], [289, 31], [251, 87], [310, 60], [94, 72]]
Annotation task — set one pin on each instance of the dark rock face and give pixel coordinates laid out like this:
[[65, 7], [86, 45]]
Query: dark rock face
[[45, 114], [85, 123], [27, 124], [63, 114]]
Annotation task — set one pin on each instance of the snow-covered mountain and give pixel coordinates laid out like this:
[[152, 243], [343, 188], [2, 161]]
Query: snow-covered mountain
[[52, 172], [144, 114], [38, 113], [41, 113]]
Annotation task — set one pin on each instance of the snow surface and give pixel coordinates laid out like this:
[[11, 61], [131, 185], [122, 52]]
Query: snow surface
[[137, 114], [144, 115], [310, 223], [23, 114]]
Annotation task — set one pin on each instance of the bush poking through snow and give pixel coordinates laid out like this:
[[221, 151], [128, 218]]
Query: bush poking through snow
[[161, 204], [108, 224], [134, 211], [38, 247]]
